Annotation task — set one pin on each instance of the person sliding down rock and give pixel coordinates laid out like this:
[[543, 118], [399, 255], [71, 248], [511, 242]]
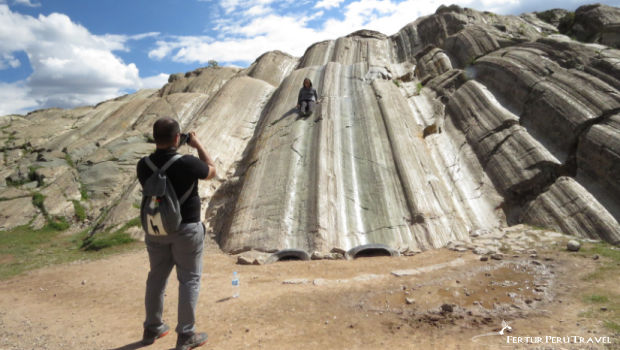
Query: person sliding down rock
[[307, 98]]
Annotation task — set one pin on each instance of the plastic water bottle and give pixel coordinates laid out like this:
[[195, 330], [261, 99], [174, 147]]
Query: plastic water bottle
[[235, 285]]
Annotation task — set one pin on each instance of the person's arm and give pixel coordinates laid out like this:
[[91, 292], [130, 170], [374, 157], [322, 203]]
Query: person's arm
[[316, 96], [202, 154]]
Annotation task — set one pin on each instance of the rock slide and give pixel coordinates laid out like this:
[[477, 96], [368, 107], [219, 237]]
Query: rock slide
[[460, 122]]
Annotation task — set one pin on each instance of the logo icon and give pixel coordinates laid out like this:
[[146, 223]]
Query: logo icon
[[505, 327]]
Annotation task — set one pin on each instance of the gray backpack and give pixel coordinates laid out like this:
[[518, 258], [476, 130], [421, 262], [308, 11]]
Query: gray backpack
[[160, 211]]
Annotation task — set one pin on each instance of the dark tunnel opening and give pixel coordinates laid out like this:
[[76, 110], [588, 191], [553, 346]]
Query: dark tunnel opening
[[372, 252]]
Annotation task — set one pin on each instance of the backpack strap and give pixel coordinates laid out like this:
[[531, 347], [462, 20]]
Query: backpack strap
[[167, 165], [186, 194]]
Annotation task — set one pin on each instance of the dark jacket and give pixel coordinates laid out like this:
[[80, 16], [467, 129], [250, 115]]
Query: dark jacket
[[307, 94]]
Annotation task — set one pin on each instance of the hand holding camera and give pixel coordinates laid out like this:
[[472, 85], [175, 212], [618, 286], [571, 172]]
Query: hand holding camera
[[190, 139]]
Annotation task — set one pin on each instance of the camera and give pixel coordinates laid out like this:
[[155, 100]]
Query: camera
[[184, 139]]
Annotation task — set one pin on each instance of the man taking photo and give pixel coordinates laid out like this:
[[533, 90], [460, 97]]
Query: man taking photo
[[183, 248]]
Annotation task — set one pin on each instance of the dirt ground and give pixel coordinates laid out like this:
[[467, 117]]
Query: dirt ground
[[445, 300]]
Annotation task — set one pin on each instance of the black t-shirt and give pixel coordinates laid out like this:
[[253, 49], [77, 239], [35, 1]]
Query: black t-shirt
[[182, 174]]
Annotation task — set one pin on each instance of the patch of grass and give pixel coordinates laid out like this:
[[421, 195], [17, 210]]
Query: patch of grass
[[419, 88], [69, 160], [104, 240], [610, 265], [396, 82], [612, 326], [611, 303], [595, 298], [58, 223], [98, 242], [80, 211], [599, 296], [37, 201], [23, 249], [84, 192]]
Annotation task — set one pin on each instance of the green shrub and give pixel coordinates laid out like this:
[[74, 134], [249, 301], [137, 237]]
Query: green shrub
[[69, 160], [37, 201], [566, 23], [84, 192], [58, 223], [80, 211]]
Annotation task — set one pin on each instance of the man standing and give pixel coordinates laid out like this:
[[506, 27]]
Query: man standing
[[183, 248]]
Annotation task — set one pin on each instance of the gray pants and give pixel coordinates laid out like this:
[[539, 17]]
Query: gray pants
[[183, 250], [307, 107]]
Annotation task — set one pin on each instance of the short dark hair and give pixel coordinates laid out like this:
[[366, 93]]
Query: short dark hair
[[165, 130]]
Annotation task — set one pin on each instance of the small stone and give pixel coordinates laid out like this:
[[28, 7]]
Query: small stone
[[497, 257], [595, 257], [536, 262], [603, 308], [484, 258], [480, 251], [528, 301], [244, 260], [83, 282], [410, 301], [338, 251], [296, 281], [533, 256], [447, 308], [512, 295], [317, 256], [573, 245]]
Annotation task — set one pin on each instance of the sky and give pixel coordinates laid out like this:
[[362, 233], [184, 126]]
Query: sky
[[69, 53]]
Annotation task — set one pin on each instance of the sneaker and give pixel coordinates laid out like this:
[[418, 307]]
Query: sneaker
[[191, 341], [149, 336]]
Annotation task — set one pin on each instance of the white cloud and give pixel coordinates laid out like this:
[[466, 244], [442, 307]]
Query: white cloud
[[15, 98], [243, 35], [26, 3], [327, 4], [7, 60], [70, 66], [155, 82]]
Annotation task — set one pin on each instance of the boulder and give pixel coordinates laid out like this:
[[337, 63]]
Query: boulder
[[597, 23], [16, 212]]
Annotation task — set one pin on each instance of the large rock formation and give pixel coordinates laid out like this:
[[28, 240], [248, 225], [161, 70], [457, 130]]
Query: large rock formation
[[460, 121]]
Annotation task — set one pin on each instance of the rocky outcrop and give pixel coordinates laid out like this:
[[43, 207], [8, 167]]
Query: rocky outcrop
[[462, 121], [597, 23]]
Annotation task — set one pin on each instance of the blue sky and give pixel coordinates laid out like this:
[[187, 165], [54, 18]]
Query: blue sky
[[67, 53]]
